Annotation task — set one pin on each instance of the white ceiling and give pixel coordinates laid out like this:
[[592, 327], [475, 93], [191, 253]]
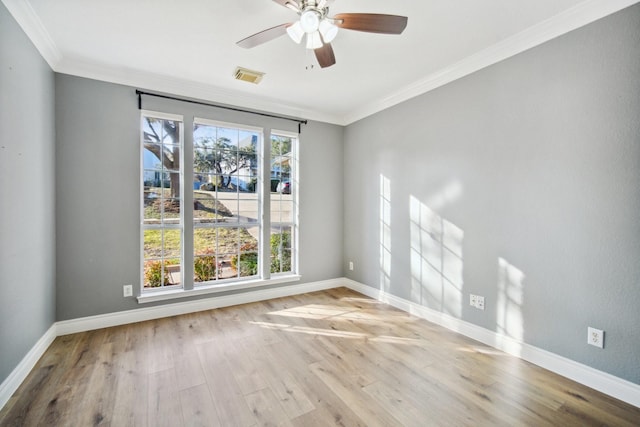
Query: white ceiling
[[188, 47]]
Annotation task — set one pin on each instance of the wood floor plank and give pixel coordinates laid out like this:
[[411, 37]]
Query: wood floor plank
[[325, 358], [247, 373], [129, 409], [267, 409], [159, 346], [230, 404], [99, 397], [198, 408], [394, 403], [283, 383], [163, 399], [362, 404]]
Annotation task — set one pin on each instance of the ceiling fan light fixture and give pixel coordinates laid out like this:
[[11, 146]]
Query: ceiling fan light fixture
[[328, 30], [310, 21], [314, 41], [296, 32]]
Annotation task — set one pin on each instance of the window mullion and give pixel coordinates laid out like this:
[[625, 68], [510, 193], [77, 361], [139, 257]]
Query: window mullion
[[187, 209], [264, 251]]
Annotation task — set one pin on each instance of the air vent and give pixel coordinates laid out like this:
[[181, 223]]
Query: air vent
[[248, 75]]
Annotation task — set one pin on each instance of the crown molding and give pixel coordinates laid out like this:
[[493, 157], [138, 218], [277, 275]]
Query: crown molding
[[192, 89], [569, 20], [26, 17]]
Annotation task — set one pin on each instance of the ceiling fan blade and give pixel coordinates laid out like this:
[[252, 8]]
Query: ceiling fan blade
[[290, 4], [372, 22], [263, 36], [325, 56]]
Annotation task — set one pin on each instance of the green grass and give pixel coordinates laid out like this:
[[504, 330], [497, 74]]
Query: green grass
[[204, 239]]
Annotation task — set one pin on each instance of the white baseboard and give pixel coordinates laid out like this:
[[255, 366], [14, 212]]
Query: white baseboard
[[606, 383], [598, 380], [82, 324], [17, 376]]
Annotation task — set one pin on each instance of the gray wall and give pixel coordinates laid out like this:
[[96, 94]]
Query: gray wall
[[97, 189], [518, 183], [27, 222]]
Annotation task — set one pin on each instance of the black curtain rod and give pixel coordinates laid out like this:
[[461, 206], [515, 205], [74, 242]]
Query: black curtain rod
[[224, 107]]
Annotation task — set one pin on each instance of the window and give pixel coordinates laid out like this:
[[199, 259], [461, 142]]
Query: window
[[283, 205], [218, 209], [162, 202], [225, 209]]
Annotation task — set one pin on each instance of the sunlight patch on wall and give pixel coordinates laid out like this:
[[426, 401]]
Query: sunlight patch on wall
[[447, 195], [509, 304], [436, 260], [385, 233]]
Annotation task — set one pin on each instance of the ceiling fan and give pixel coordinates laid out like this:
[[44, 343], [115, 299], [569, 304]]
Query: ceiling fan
[[321, 29]]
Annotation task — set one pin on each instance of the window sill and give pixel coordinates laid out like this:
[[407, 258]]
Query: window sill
[[212, 289]]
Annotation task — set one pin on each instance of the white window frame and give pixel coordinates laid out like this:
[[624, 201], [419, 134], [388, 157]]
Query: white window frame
[[265, 278], [162, 225], [294, 178], [259, 193]]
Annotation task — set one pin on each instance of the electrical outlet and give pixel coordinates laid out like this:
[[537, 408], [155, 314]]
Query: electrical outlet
[[595, 337], [476, 301], [351, 265], [127, 290]]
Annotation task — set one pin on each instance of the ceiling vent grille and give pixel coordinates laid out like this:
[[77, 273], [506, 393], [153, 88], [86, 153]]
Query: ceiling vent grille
[[248, 75]]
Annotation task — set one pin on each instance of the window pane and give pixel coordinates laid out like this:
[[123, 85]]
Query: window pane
[[228, 137], [206, 209], [152, 244], [205, 160], [246, 264], [205, 266], [173, 271], [249, 239], [171, 158], [170, 131], [204, 241], [248, 216], [281, 209], [204, 136], [172, 243], [160, 131], [155, 274], [281, 249], [228, 205], [151, 157], [152, 205], [228, 241], [171, 210], [248, 140]]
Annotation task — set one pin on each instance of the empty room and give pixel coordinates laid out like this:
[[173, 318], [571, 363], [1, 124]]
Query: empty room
[[319, 212]]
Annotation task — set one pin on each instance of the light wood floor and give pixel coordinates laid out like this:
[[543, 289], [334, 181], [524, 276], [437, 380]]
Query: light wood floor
[[326, 358]]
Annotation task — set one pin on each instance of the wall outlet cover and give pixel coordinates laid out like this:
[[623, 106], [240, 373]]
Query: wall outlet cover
[[595, 337], [127, 290]]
